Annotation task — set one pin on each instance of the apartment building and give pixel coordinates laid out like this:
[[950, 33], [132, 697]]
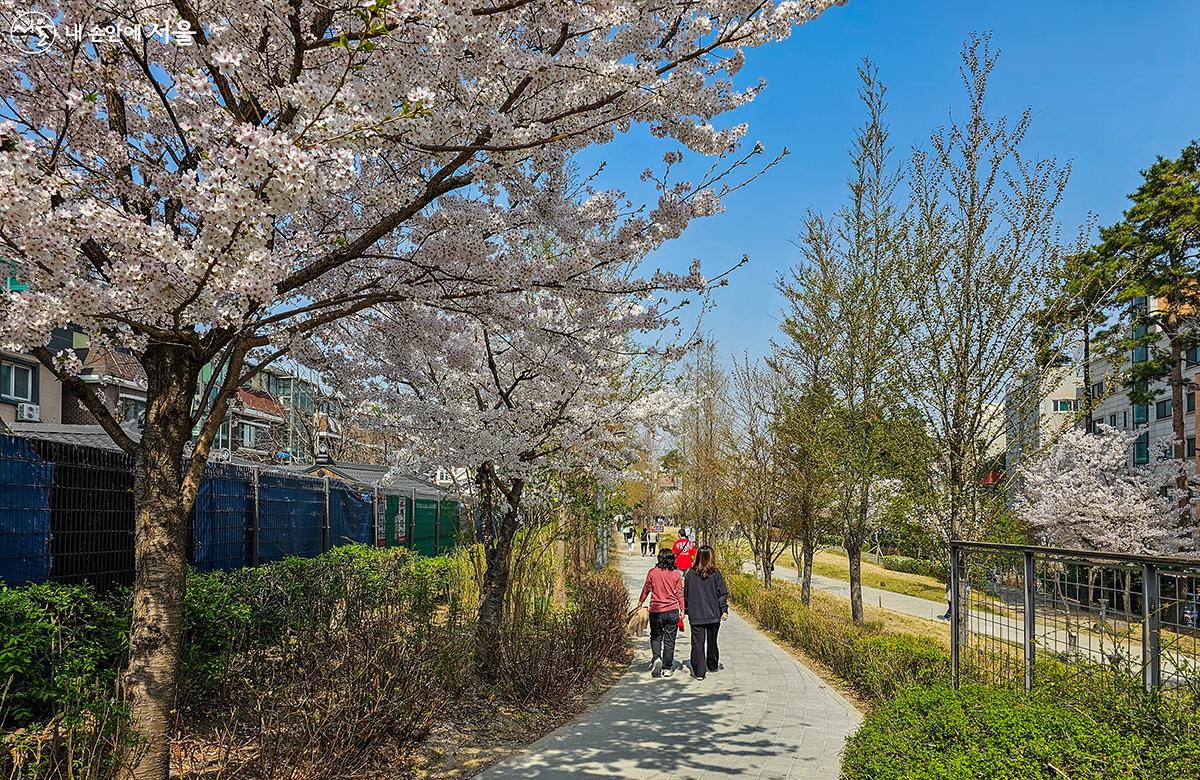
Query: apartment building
[[1038, 407], [1111, 404]]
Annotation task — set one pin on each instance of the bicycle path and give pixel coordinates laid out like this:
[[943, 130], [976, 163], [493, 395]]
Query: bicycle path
[[764, 715]]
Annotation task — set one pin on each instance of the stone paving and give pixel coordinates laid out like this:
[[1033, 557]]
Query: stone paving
[[764, 715]]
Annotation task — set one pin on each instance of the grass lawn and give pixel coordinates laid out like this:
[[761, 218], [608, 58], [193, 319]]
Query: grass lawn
[[838, 608], [829, 564]]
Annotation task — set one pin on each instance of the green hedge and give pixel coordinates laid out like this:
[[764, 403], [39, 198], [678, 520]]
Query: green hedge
[[938, 570], [981, 732], [58, 643], [876, 664]]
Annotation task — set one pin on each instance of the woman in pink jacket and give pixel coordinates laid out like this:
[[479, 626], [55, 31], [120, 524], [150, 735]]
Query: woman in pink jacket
[[664, 586]]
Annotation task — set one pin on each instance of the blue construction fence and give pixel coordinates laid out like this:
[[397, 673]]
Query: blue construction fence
[[66, 515]]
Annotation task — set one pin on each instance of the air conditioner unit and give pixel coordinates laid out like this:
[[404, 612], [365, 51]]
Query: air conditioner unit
[[29, 413]]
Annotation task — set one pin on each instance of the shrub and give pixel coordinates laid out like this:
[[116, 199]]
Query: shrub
[[938, 570], [980, 732], [874, 663], [545, 654], [344, 653], [57, 643]]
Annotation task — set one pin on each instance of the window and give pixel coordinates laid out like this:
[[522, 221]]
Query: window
[[1098, 390], [1064, 404], [130, 409], [221, 441], [16, 381], [1191, 446], [1192, 356], [1125, 419], [1191, 402], [1141, 414], [1112, 420], [1141, 450], [1162, 409], [252, 436]]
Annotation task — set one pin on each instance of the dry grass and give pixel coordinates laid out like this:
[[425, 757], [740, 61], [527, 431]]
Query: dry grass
[[831, 564]]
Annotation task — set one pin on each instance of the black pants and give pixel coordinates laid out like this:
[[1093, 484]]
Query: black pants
[[645, 547], [663, 628], [705, 660]]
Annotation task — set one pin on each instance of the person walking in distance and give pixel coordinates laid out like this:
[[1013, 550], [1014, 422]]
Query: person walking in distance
[[645, 541], [665, 589], [685, 552], [653, 540], [706, 600]]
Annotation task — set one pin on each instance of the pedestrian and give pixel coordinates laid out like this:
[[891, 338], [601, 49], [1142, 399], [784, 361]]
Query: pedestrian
[[691, 534], [631, 538], [645, 541], [706, 603], [665, 589], [627, 535], [653, 539], [685, 551], [949, 604]]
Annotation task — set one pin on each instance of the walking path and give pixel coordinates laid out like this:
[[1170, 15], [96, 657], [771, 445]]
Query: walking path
[[764, 715]]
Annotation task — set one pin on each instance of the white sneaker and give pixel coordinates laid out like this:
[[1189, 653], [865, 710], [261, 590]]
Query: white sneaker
[[656, 668], [667, 672]]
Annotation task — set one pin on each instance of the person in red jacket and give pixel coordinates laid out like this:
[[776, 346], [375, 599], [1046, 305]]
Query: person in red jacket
[[685, 551], [664, 586]]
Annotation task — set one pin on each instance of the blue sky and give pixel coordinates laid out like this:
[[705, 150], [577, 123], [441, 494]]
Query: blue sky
[[1111, 85]]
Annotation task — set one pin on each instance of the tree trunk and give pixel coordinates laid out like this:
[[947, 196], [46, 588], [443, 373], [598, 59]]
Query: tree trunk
[[854, 553], [1178, 423], [497, 552], [160, 554], [806, 575]]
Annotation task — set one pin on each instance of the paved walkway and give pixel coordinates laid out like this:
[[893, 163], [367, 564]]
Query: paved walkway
[[763, 716]]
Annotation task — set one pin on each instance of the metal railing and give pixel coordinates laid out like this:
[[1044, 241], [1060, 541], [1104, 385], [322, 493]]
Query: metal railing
[[1018, 612]]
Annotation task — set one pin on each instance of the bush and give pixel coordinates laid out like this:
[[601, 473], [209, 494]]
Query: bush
[[876, 664], [938, 570], [342, 653], [57, 643], [980, 732], [547, 654]]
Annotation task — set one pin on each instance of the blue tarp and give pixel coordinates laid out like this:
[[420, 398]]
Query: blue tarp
[[291, 516], [24, 513], [350, 516], [219, 521]]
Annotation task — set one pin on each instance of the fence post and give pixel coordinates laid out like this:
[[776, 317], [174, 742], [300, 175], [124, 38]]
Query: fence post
[[325, 524], [1151, 626], [1030, 618], [437, 526], [955, 586], [410, 521], [254, 522], [375, 517]]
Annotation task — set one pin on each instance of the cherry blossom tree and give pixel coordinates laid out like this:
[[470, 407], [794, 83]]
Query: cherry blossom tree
[[536, 381], [219, 196], [1083, 494]]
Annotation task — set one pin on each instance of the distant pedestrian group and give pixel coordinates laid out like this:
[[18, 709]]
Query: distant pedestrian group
[[685, 582]]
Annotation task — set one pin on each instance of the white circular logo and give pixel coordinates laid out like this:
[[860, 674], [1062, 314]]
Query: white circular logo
[[33, 31]]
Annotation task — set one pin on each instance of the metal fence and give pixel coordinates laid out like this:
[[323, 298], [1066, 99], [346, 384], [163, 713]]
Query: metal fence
[[1018, 612], [66, 515]]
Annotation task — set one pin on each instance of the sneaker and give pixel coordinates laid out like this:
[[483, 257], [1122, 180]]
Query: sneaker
[[667, 672], [656, 668]]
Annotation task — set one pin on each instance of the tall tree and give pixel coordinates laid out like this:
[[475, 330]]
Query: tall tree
[[849, 288], [982, 238], [1156, 249], [703, 438], [754, 481], [297, 163]]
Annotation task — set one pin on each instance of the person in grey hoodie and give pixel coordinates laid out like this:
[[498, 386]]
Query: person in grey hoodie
[[706, 603]]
